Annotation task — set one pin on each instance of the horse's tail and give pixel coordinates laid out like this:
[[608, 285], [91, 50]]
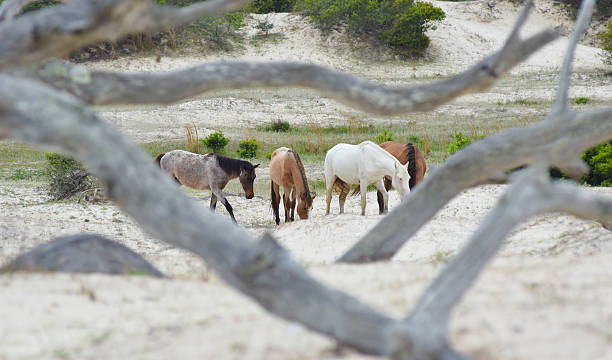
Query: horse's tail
[[411, 164], [158, 158]]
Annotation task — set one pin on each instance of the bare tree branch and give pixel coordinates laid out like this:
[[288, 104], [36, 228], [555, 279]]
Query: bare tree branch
[[561, 104], [531, 194], [103, 88], [259, 269], [58, 30]]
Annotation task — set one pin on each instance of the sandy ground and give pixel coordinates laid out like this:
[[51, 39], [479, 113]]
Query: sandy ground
[[548, 295]]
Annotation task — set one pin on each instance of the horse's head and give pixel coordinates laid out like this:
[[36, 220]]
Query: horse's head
[[305, 204], [247, 176], [401, 179]]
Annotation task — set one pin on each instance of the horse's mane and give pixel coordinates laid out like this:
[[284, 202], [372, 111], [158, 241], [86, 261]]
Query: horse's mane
[[300, 166], [231, 165], [410, 155]]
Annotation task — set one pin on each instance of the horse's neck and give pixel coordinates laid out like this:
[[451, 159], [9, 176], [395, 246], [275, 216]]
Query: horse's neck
[[383, 160], [298, 177]]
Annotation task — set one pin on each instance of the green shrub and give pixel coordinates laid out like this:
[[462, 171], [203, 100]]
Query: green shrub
[[599, 159], [417, 141], [383, 136], [247, 149], [407, 35], [400, 24], [268, 6], [67, 177], [605, 39], [459, 143], [278, 126], [582, 100], [216, 141]]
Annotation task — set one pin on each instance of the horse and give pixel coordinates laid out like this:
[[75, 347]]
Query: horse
[[287, 170], [211, 171], [406, 154], [363, 164]]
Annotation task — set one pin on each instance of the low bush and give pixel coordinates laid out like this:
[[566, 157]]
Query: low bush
[[269, 6], [67, 177], [582, 100], [401, 24], [216, 141], [383, 136], [599, 159], [459, 143], [247, 149], [277, 126]]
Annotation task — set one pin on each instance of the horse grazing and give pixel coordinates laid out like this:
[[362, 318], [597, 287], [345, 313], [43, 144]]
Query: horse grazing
[[210, 171], [406, 154], [363, 164], [287, 170]]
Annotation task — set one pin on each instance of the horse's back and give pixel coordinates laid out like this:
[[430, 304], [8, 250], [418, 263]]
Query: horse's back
[[188, 168], [280, 170], [342, 160]]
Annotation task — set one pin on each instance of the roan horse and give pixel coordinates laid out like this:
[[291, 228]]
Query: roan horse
[[287, 170], [363, 164], [211, 171], [406, 154]]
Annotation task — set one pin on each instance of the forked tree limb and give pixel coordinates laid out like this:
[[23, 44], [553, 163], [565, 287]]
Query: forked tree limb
[[259, 269], [104, 88], [561, 104], [561, 141], [531, 194], [56, 31]]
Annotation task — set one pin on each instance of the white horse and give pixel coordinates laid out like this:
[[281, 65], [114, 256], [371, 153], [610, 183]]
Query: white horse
[[364, 164]]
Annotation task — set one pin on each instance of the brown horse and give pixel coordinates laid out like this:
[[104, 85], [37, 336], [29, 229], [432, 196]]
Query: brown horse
[[405, 154], [210, 171], [286, 170]]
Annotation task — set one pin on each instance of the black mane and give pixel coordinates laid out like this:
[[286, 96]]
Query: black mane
[[231, 165]]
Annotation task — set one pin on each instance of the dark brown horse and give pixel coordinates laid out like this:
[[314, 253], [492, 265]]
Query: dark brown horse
[[407, 153], [287, 170], [210, 171]]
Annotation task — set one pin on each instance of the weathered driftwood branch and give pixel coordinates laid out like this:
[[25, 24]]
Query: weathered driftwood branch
[[58, 30], [259, 269], [562, 142], [532, 193], [103, 88]]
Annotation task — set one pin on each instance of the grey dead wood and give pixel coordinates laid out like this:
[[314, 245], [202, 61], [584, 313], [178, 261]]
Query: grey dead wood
[[82, 253], [561, 138], [58, 30], [261, 269]]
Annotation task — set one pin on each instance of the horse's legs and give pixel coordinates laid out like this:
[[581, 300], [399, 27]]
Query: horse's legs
[[275, 199], [219, 194], [346, 188], [379, 196], [287, 203], [329, 184], [363, 188], [293, 202], [383, 195], [213, 202]]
